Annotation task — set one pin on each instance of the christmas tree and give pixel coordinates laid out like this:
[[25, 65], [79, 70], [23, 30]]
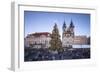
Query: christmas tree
[[55, 42]]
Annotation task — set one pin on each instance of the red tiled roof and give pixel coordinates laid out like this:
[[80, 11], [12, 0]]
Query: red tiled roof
[[38, 34]]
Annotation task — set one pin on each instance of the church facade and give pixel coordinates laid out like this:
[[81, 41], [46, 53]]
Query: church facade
[[69, 38], [68, 35]]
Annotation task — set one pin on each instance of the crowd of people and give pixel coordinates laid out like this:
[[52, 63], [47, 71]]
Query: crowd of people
[[44, 55]]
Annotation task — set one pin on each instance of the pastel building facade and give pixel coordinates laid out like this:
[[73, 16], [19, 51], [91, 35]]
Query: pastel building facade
[[38, 40]]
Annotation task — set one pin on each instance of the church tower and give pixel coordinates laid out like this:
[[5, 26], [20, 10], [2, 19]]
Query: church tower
[[64, 27], [68, 35], [71, 27]]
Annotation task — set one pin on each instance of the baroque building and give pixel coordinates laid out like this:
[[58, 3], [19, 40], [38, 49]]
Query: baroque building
[[38, 40]]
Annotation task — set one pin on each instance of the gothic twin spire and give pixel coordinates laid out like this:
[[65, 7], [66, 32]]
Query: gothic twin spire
[[70, 26]]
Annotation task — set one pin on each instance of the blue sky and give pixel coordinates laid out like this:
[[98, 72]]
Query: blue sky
[[35, 21]]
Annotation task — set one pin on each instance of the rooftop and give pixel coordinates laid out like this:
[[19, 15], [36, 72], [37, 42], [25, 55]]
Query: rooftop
[[38, 34]]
